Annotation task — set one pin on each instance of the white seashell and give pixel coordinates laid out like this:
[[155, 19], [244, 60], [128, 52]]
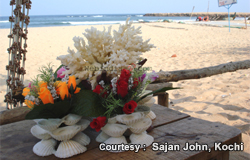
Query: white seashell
[[151, 115], [65, 133], [81, 138], [45, 147], [112, 120], [84, 123], [114, 130], [146, 99], [49, 124], [102, 137], [37, 120], [39, 133], [130, 118], [141, 125], [71, 119], [143, 139], [69, 148], [150, 103], [116, 140]]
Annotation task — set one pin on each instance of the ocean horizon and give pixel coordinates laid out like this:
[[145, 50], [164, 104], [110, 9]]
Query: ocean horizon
[[87, 19]]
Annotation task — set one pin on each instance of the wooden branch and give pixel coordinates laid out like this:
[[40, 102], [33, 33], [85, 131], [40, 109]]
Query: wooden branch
[[13, 115], [174, 76]]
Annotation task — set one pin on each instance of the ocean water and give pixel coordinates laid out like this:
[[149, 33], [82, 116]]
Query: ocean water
[[97, 19]]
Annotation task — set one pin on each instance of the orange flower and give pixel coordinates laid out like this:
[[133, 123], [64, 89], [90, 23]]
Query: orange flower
[[72, 80], [29, 103], [62, 89], [26, 91], [45, 95], [77, 90], [42, 84]]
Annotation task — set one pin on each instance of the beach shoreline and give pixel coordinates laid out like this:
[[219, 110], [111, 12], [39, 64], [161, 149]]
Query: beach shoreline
[[221, 98]]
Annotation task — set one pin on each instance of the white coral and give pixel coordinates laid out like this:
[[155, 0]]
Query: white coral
[[105, 51]]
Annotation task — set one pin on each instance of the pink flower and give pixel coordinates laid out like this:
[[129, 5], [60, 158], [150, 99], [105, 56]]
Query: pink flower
[[60, 72]]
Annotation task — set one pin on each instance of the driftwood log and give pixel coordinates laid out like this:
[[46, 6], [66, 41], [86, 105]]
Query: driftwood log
[[174, 76], [18, 114], [13, 115]]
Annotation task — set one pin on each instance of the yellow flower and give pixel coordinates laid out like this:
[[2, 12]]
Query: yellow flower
[[77, 90], [29, 103], [62, 89], [45, 95], [26, 91]]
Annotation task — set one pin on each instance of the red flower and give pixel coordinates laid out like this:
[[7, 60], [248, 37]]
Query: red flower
[[135, 83], [129, 107], [98, 89], [125, 74], [122, 88], [98, 123]]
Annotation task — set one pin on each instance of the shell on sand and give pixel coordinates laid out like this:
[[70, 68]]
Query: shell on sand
[[114, 130], [69, 148], [112, 120], [151, 115], [39, 132], [102, 137], [84, 123], [143, 139], [81, 138], [116, 140], [49, 124], [65, 133], [45, 147], [141, 125], [130, 118], [71, 119], [37, 120]]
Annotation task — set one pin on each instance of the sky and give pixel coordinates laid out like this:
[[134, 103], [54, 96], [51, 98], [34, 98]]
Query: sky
[[65, 7]]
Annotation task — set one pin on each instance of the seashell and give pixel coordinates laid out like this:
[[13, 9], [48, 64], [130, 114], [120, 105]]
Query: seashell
[[130, 118], [102, 137], [146, 99], [151, 115], [112, 120], [150, 103], [143, 139], [69, 148], [116, 140], [45, 147], [71, 119], [37, 120], [141, 125], [81, 138], [114, 130], [84, 123], [65, 133], [39, 133], [144, 109], [49, 124]]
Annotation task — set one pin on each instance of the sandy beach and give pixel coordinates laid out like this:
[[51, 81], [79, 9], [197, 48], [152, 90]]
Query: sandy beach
[[221, 98]]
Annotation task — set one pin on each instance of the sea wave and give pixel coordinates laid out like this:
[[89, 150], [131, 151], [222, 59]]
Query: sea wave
[[98, 16], [4, 21], [96, 22], [139, 15]]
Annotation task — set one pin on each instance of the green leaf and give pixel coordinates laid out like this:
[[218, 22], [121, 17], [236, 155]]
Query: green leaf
[[88, 103], [56, 110], [157, 91]]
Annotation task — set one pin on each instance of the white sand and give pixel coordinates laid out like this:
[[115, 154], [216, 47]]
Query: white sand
[[222, 98]]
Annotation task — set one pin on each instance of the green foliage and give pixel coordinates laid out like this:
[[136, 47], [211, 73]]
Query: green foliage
[[46, 73], [57, 110], [88, 103]]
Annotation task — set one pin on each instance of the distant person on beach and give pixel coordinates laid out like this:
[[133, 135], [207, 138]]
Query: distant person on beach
[[198, 19]]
